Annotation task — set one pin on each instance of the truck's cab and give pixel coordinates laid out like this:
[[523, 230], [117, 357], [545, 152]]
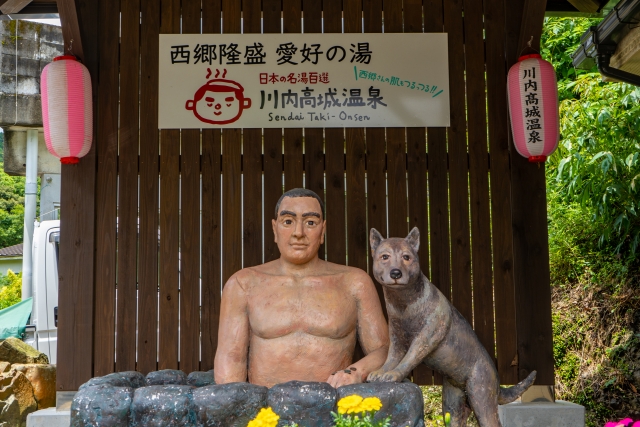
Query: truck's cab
[[42, 332]]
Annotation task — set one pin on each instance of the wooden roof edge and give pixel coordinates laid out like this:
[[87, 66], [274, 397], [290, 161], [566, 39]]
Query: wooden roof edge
[[70, 28], [565, 7], [31, 9]]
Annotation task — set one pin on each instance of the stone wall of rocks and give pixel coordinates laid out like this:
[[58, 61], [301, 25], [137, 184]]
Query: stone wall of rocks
[[170, 398], [27, 382]]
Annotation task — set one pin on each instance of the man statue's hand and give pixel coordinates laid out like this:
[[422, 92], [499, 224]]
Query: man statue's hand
[[345, 377]]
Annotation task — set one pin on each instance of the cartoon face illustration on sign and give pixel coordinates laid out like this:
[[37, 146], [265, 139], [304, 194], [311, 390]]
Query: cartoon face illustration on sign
[[219, 102]]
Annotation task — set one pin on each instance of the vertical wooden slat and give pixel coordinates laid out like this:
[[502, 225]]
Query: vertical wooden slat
[[438, 183], [397, 182], [313, 137], [106, 190], [252, 194], [494, 15], [149, 146], [169, 214], [357, 238], [396, 146], [231, 171], [479, 176], [77, 228], [530, 236], [376, 147], [417, 177], [126, 300], [291, 21], [190, 249], [190, 224], [334, 160], [211, 285], [252, 163], [272, 12], [458, 166]]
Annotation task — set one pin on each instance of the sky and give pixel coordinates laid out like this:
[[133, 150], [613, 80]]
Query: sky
[[46, 21]]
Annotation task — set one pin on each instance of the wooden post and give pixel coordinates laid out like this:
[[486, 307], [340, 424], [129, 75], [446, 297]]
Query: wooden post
[[530, 234], [77, 244]]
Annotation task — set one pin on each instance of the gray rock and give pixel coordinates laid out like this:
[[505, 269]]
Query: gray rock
[[201, 379], [10, 412], [403, 401], [228, 405], [307, 403], [101, 406], [167, 377], [163, 406], [131, 379]]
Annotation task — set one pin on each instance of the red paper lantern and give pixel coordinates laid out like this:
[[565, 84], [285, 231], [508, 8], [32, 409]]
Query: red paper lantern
[[67, 108], [533, 107]]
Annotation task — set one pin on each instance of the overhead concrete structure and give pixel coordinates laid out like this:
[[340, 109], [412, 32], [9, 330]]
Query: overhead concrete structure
[[15, 154], [25, 49]]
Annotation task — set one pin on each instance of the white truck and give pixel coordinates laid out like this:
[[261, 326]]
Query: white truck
[[42, 330]]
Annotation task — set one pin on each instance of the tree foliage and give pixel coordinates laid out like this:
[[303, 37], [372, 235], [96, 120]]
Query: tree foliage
[[597, 165], [11, 209], [10, 289]]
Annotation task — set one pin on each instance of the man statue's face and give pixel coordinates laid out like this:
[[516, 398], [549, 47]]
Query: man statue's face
[[299, 229]]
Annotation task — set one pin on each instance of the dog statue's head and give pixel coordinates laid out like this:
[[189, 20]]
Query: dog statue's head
[[395, 260]]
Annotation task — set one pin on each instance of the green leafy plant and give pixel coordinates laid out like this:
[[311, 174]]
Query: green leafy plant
[[362, 420], [597, 164], [10, 289], [356, 411]]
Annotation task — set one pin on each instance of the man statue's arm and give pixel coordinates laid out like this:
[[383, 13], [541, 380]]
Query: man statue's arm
[[373, 333], [230, 364]]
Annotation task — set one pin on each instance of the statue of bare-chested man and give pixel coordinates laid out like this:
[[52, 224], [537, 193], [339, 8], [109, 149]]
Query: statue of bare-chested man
[[297, 318]]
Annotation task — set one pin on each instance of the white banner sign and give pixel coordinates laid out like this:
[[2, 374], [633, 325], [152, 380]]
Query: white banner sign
[[303, 80]]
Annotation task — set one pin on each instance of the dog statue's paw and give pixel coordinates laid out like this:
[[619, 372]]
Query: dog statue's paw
[[374, 376], [391, 377]]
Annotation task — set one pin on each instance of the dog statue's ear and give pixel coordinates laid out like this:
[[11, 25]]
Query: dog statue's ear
[[374, 240], [414, 239]]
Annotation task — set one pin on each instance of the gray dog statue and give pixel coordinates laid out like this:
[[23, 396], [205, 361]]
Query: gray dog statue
[[425, 327]]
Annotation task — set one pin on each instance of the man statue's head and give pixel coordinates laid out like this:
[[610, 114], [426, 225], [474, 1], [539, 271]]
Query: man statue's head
[[299, 225]]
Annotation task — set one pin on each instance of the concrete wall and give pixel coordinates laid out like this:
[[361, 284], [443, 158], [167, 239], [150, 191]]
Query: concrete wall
[[25, 49], [15, 154], [10, 263], [49, 197]]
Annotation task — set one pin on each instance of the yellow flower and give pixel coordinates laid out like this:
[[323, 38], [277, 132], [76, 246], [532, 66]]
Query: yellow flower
[[355, 404], [347, 405], [265, 418], [371, 404]]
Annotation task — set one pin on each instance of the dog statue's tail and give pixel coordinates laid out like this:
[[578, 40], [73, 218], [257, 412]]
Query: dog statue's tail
[[508, 395]]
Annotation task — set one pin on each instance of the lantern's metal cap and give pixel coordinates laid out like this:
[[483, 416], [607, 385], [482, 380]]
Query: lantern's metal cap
[[531, 55], [537, 159], [65, 58]]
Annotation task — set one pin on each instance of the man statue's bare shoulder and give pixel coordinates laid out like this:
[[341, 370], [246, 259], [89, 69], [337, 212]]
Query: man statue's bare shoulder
[[356, 279]]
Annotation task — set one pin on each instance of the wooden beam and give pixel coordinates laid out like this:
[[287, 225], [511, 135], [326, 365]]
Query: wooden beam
[[14, 6], [588, 6], [532, 20], [529, 222], [77, 226], [70, 28]]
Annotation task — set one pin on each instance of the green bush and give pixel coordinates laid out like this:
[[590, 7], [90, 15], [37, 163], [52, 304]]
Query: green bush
[[597, 164], [10, 289]]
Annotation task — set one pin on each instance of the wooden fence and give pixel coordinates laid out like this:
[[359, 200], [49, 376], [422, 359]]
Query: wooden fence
[[162, 218]]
